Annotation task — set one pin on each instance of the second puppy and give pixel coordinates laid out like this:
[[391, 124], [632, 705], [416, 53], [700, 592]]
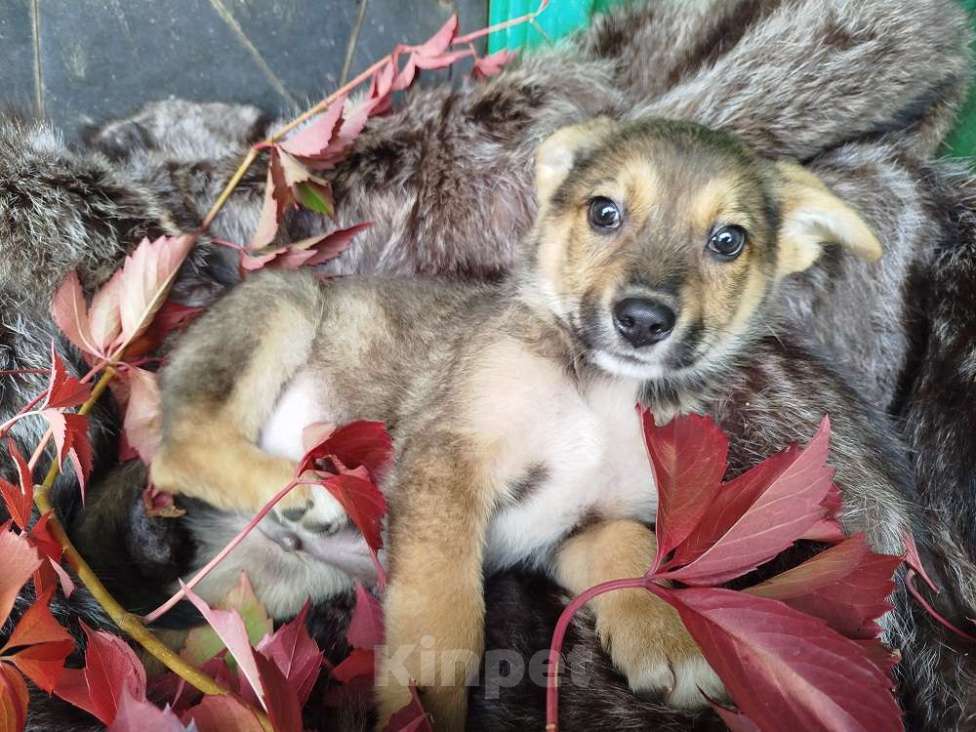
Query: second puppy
[[648, 276]]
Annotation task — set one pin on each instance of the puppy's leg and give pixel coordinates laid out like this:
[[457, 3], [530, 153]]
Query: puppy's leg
[[434, 601], [643, 634], [220, 387]]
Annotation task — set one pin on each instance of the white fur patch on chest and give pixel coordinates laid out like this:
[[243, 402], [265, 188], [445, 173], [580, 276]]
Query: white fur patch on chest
[[583, 445]]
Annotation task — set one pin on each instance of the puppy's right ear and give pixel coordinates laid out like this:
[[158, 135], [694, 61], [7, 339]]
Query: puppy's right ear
[[555, 157]]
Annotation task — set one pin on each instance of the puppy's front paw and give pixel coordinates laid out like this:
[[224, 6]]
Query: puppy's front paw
[[317, 511], [651, 647]]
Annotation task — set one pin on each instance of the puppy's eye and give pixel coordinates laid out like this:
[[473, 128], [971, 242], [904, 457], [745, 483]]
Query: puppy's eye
[[604, 214], [727, 242]]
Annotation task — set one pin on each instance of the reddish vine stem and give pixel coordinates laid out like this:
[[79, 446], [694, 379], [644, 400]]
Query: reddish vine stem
[[559, 636]]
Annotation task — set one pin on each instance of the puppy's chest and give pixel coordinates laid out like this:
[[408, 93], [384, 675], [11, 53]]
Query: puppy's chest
[[583, 459]]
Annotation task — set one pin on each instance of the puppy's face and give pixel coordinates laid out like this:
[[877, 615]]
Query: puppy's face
[[658, 243]]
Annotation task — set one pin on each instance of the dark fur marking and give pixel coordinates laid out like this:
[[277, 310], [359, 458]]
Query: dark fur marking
[[525, 487], [722, 38]]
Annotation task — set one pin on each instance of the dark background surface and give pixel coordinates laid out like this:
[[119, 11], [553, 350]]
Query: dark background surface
[[81, 61]]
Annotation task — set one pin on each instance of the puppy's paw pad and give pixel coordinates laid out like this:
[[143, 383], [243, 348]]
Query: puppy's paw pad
[[325, 514], [294, 505]]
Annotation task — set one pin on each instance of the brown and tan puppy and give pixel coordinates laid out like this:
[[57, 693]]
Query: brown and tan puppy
[[649, 275]]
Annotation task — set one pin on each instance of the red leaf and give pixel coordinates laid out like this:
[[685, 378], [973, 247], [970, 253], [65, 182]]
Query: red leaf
[[19, 499], [229, 627], [785, 510], [253, 262], [173, 316], [381, 86], [37, 625], [50, 572], [440, 61], [735, 720], [139, 715], [784, 669], [43, 645], [70, 313], [689, 459], [43, 540], [223, 714], [145, 279], [729, 504], [335, 243], [492, 64], [312, 251], [104, 319], [13, 700], [881, 656], [438, 43], [71, 437], [44, 663], [361, 662], [64, 579], [111, 667], [363, 502], [356, 118], [363, 443], [64, 390], [315, 138], [366, 626], [143, 413], [18, 503], [913, 560], [268, 221], [296, 654], [282, 700], [411, 718], [23, 469], [20, 560], [846, 585]]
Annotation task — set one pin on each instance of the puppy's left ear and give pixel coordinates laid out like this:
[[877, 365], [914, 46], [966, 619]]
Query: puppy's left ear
[[812, 217], [555, 156]]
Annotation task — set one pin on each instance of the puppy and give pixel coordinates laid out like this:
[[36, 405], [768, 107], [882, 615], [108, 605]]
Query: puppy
[[649, 275]]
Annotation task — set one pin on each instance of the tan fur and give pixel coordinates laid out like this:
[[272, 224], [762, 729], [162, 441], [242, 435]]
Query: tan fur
[[815, 216], [479, 385], [634, 625], [203, 463], [555, 155], [434, 588]]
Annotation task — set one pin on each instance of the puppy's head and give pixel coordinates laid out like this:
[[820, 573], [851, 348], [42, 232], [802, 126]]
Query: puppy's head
[[658, 243]]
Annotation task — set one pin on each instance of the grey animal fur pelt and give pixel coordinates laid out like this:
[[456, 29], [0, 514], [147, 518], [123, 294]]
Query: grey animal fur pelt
[[860, 90]]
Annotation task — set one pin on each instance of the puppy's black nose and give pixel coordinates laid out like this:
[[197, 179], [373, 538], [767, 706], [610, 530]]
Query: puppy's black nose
[[642, 321]]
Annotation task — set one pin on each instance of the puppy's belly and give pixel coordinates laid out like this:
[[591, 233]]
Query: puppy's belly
[[583, 457]]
